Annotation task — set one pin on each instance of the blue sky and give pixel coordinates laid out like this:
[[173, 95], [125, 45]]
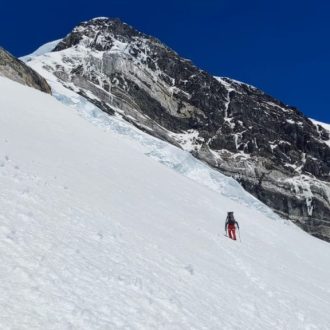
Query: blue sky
[[279, 46]]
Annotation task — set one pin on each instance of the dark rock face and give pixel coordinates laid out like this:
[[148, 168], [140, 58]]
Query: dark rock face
[[273, 150], [14, 69]]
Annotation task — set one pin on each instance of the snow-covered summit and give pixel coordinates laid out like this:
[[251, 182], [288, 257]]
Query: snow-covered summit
[[100, 18]]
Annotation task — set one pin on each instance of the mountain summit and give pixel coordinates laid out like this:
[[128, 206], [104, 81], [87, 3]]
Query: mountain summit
[[273, 150]]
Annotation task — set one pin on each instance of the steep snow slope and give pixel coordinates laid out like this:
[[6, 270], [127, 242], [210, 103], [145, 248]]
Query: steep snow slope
[[43, 49], [95, 235]]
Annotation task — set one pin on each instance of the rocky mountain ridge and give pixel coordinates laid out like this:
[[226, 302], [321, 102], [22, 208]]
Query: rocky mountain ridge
[[14, 69], [272, 149]]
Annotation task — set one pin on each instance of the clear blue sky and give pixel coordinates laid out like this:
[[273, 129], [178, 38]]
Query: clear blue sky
[[279, 46]]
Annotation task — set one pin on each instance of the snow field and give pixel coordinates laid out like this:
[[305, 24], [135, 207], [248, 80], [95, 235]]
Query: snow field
[[96, 235]]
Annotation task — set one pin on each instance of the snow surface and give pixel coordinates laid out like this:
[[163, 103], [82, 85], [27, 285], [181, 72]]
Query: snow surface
[[96, 235], [229, 86], [46, 48], [325, 126]]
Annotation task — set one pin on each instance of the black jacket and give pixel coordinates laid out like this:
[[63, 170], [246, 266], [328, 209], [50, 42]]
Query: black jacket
[[231, 221]]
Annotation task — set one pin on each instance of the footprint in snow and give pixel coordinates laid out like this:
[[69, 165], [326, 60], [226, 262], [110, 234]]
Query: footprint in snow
[[190, 269]]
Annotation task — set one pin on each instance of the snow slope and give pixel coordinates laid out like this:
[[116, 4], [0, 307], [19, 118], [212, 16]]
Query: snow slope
[[96, 235], [46, 48]]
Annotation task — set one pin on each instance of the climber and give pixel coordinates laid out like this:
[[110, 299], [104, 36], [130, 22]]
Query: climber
[[231, 225]]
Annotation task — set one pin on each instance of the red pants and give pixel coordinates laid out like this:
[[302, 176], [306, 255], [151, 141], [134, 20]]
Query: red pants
[[232, 232]]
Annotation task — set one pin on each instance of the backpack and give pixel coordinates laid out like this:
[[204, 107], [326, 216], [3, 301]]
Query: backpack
[[230, 218]]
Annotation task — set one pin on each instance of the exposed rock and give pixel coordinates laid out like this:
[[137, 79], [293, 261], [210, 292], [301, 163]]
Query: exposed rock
[[14, 69], [272, 149]]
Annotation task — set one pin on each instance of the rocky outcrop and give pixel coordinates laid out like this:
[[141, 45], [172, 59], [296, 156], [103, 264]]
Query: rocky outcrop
[[272, 149], [14, 69]]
